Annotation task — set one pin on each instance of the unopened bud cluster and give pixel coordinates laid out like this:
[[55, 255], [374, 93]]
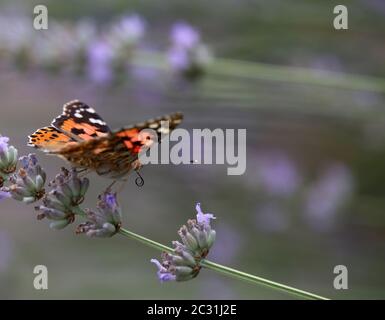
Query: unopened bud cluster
[[61, 204]]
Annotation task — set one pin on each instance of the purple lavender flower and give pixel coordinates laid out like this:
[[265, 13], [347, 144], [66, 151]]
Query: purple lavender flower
[[163, 274], [327, 195], [278, 174], [203, 218], [106, 220], [111, 201], [184, 262], [100, 56]]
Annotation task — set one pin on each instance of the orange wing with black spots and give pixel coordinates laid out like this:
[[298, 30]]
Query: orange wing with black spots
[[50, 139], [81, 136], [117, 153], [80, 122], [137, 136]]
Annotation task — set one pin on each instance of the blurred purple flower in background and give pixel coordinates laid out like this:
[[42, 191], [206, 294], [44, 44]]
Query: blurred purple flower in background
[[100, 56], [327, 195], [277, 174], [185, 36], [178, 58], [229, 244], [187, 55], [326, 63], [134, 26], [124, 35], [16, 37]]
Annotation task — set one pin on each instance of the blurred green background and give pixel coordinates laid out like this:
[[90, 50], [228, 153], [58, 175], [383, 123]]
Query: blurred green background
[[312, 197]]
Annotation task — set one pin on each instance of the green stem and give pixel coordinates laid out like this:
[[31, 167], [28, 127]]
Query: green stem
[[146, 241], [226, 270], [263, 71], [258, 280]]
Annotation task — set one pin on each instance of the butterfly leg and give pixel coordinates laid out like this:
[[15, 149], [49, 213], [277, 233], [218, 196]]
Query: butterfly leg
[[83, 172]]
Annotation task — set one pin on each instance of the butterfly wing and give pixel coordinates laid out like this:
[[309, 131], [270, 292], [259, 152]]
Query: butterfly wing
[[77, 123], [135, 138], [49, 139], [114, 154], [80, 122]]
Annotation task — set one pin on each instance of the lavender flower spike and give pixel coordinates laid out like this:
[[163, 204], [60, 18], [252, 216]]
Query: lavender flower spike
[[184, 262]]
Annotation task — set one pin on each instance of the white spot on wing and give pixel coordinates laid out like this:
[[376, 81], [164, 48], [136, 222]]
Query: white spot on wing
[[97, 121], [90, 110], [153, 125]]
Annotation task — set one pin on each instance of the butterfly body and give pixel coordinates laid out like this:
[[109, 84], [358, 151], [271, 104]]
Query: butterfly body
[[81, 137]]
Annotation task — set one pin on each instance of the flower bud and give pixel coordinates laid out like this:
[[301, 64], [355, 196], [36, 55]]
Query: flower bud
[[28, 183], [62, 203], [106, 220]]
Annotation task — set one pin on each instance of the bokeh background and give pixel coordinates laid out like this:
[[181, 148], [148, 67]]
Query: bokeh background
[[312, 101]]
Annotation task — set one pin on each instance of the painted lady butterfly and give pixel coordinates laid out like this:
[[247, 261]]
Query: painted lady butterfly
[[80, 136]]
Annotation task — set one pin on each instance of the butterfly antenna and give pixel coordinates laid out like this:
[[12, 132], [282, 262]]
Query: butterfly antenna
[[139, 181]]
